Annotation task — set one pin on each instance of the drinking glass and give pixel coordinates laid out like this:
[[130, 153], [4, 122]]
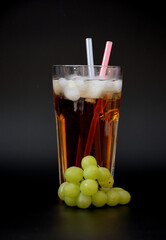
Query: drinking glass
[[87, 114]]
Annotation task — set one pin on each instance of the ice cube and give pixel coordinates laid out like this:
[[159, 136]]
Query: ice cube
[[71, 91], [57, 89], [72, 76], [75, 77], [113, 86], [118, 85], [80, 83], [62, 82], [95, 89], [110, 86]]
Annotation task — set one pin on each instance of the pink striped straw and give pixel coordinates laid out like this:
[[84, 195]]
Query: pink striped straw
[[106, 58]]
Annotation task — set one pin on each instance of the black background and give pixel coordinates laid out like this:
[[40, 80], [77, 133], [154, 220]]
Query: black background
[[34, 35]]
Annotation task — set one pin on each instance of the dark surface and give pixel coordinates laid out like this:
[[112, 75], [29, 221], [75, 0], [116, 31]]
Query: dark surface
[[36, 34], [31, 210]]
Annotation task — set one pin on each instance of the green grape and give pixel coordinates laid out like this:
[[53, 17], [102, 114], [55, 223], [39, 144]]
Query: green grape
[[99, 199], [89, 187], [88, 161], [61, 190], [113, 197], [125, 196], [118, 189], [91, 172], [78, 183], [104, 189], [104, 174], [107, 183], [83, 201], [71, 190], [71, 202], [74, 174]]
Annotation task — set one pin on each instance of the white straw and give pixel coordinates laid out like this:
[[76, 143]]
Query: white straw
[[89, 53]]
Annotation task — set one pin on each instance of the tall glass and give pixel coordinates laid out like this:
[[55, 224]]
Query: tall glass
[[87, 114]]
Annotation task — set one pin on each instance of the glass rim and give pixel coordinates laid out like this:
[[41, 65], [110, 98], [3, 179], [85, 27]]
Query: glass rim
[[82, 65]]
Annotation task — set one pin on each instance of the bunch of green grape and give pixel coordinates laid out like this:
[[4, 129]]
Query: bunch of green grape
[[91, 184]]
